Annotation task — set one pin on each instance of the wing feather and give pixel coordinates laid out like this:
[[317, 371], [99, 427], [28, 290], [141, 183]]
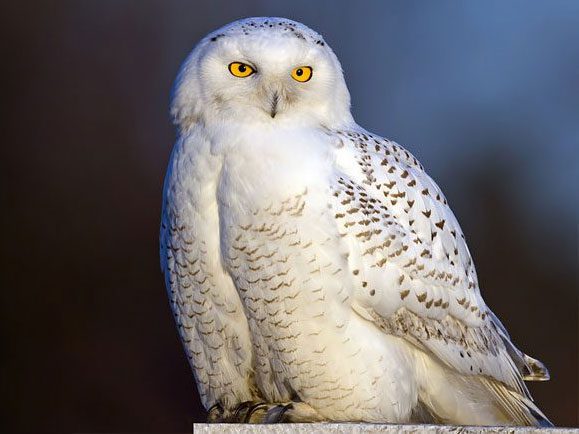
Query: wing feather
[[416, 276], [204, 301]]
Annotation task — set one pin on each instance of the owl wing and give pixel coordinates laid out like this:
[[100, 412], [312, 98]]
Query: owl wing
[[415, 275], [205, 303]]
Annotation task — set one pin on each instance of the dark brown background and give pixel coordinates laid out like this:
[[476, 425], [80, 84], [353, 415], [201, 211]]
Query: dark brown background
[[485, 94]]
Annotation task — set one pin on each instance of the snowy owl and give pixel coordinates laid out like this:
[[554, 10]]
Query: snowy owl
[[315, 271]]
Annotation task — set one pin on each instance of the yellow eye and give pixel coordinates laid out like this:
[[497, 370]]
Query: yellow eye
[[302, 73], [240, 69]]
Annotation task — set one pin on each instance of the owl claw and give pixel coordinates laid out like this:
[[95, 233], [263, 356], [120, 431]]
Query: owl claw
[[256, 413], [243, 411], [259, 412], [293, 412], [277, 414], [215, 413]]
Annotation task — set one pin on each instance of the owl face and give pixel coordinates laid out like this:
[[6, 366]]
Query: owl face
[[269, 71]]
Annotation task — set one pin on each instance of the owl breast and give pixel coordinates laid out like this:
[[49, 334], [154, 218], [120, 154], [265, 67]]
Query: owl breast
[[281, 246]]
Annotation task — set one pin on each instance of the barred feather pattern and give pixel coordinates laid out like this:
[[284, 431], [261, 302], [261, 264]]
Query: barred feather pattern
[[260, 320], [309, 261], [415, 275]]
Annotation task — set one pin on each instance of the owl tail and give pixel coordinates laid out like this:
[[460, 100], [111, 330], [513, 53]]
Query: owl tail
[[454, 398], [518, 409], [529, 368], [537, 371]]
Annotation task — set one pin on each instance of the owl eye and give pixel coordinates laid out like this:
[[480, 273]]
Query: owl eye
[[302, 73], [240, 69]]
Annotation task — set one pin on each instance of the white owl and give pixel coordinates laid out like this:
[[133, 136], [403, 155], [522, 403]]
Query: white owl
[[316, 272]]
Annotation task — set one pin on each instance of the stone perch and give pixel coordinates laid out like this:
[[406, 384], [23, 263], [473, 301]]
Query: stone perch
[[343, 428]]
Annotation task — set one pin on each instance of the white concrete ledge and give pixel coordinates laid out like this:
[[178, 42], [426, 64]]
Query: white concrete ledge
[[339, 428]]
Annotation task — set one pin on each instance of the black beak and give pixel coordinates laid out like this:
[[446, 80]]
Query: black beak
[[274, 101]]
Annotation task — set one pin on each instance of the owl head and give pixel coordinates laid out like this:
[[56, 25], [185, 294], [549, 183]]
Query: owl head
[[270, 71]]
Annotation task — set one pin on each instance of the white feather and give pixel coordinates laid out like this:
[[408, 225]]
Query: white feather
[[307, 257]]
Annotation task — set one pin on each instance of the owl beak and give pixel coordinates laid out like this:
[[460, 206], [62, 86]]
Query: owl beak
[[273, 104]]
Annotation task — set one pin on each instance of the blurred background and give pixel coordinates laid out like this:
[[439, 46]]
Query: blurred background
[[486, 94]]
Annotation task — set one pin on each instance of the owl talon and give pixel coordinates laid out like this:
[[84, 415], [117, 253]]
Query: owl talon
[[242, 411], [259, 412], [276, 414], [256, 413], [245, 412], [293, 412], [215, 414]]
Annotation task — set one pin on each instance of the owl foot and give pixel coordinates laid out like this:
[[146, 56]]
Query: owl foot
[[264, 413], [293, 412], [246, 412], [215, 414]]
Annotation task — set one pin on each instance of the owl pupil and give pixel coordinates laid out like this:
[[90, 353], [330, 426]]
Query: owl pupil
[[299, 72], [242, 68]]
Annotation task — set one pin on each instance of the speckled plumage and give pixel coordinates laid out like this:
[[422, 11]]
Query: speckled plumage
[[308, 260]]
